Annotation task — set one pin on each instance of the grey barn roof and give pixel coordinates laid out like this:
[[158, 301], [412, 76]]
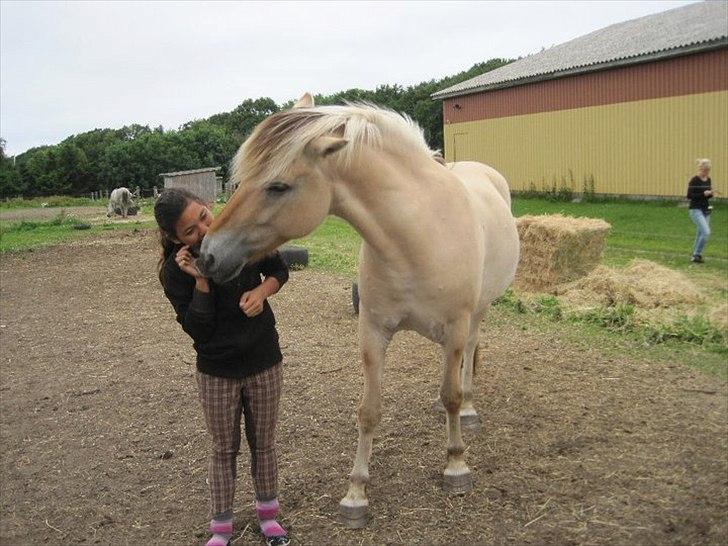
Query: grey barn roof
[[194, 171], [679, 31]]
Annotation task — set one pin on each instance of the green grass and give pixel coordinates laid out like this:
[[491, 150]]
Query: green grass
[[615, 343], [50, 200], [26, 235], [658, 231], [333, 247]]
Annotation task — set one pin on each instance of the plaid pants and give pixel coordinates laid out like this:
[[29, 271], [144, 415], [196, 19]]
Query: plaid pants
[[223, 401]]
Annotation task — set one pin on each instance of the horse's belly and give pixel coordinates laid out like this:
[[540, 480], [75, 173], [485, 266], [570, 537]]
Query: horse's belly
[[430, 328]]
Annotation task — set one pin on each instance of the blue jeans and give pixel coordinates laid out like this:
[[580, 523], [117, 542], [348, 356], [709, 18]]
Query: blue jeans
[[702, 221]]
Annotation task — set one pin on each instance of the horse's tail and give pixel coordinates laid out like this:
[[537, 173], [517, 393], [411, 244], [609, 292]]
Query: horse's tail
[[126, 197], [476, 357]]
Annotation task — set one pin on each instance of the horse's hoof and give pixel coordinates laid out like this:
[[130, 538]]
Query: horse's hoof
[[353, 517], [457, 484], [471, 423]]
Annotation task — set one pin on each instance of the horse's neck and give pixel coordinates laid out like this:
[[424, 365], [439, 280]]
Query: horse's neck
[[379, 198]]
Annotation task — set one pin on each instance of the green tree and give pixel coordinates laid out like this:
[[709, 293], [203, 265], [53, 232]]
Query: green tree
[[72, 168], [135, 155], [241, 121], [11, 183]]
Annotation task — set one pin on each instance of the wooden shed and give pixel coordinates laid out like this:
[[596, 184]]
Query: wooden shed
[[202, 182], [630, 106]]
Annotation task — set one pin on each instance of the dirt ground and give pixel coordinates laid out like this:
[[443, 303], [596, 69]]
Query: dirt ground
[[103, 440]]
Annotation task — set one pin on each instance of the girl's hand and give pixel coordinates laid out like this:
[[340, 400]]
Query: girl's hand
[[251, 303], [708, 193], [186, 262]]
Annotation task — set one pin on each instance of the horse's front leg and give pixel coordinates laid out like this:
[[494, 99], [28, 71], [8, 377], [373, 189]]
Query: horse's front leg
[[373, 343], [458, 479]]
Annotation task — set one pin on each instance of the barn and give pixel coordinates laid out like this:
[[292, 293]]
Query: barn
[[202, 182], [624, 110]]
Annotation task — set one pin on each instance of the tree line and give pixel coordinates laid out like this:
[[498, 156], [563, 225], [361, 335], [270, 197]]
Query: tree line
[[135, 155]]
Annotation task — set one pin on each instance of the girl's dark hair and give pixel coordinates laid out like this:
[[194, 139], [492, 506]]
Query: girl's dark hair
[[168, 208]]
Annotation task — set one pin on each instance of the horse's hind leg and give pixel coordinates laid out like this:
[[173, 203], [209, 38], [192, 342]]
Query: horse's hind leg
[[354, 506], [469, 418], [458, 479]]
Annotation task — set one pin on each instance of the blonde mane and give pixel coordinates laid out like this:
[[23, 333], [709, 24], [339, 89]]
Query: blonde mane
[[280, 139]]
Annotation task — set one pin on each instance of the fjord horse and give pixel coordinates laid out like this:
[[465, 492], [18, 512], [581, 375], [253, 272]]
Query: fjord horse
[[439, 244]]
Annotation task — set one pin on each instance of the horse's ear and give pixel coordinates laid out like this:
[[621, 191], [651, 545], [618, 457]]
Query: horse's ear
[[306, 101], [326, 145]]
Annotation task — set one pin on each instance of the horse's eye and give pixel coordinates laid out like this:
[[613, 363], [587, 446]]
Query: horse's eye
[[277, 188]]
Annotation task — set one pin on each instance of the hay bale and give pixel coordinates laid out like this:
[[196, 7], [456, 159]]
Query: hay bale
[[644, 284], [556, 249]]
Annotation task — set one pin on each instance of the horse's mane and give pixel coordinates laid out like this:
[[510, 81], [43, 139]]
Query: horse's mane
[[280, 139]]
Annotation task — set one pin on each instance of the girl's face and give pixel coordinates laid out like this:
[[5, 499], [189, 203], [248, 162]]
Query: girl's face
[[193, 224], [704, 171]]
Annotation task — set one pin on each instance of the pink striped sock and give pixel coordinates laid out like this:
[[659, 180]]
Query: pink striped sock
[[267, 512], [222, 532]]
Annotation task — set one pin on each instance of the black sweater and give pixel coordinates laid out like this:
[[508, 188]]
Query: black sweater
[[696, 187], [227, 342]]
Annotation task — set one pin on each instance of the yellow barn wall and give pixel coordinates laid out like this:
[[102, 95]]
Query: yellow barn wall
[[644, 147]]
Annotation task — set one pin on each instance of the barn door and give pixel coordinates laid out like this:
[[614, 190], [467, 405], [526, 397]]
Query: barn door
[[459, 146]]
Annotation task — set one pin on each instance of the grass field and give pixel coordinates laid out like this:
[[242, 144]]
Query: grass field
[[27, 235], [48, 201], [30, 234], [658, 231]]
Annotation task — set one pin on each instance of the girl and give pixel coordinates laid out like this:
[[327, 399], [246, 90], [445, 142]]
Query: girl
[[239, 369]]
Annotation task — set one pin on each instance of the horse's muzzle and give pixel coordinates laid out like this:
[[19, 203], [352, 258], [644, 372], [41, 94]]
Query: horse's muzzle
[[204, 263]]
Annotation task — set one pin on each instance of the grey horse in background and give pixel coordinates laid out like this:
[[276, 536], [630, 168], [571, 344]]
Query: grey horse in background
[[121, 198]]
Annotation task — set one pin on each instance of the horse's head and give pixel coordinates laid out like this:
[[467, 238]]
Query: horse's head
[[284, 191]]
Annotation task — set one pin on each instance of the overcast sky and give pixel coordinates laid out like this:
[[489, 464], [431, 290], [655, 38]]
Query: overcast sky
[[70, 67]]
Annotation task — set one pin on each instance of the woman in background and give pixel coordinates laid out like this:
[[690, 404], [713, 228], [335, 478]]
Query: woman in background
[[700, 189]]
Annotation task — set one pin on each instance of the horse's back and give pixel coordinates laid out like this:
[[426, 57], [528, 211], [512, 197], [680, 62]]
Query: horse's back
[[120, 195], [477, 177]]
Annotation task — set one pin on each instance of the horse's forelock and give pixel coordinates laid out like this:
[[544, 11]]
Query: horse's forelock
[[280, 138]]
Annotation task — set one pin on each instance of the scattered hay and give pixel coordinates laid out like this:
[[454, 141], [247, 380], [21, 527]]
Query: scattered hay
[[644, 284], [556, 249]]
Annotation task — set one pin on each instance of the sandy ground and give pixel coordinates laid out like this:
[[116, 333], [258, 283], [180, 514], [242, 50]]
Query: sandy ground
[[103, 440]]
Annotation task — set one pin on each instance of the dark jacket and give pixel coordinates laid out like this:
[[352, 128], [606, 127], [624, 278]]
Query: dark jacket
[[696, 187], [227, 342]]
